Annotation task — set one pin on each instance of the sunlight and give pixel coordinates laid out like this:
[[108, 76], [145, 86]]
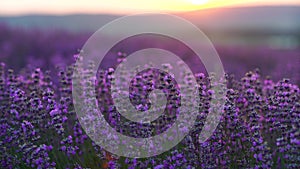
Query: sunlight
[[17, 7], [199, 2]]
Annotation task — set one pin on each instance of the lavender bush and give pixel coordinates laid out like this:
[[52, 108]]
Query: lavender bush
[[39, 128]]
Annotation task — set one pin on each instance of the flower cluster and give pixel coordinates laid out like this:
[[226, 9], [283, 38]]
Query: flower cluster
[[259, 127]]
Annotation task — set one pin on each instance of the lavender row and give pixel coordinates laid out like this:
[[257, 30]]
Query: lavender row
[[22, 49], [259, 127]]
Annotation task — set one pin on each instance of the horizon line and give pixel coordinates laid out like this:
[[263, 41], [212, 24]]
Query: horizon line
[[131, 13]]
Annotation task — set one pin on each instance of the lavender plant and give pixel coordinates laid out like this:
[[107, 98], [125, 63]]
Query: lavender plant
[[259, 127]]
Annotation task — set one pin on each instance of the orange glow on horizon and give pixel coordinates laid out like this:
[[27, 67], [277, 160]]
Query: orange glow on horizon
[[199, 2], [17, 7]]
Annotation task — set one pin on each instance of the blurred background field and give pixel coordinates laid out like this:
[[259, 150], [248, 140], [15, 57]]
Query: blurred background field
[[265, 37]]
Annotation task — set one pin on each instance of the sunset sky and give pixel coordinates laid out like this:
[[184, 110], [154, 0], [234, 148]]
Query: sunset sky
[[20, 7]]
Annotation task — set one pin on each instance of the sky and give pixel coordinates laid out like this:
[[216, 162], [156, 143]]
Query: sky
[[21, 7]]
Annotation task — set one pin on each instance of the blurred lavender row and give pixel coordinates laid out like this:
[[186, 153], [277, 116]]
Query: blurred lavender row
[[22, 49]]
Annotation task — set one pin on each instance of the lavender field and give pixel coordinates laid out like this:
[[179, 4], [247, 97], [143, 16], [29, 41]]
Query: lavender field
[[39, 128]]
